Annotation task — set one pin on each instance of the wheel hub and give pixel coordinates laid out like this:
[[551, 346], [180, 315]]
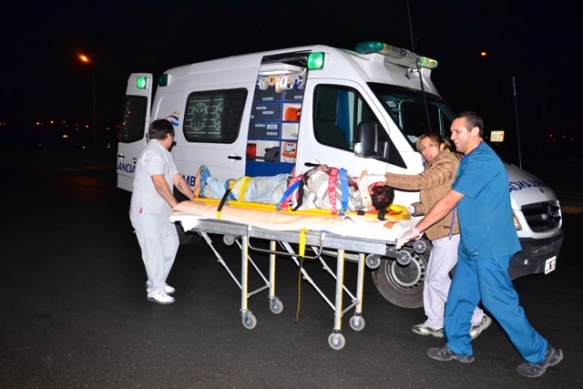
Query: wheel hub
[[410, 275]]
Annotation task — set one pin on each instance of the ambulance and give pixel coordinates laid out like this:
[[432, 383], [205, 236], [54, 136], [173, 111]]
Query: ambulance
[[267, 113]]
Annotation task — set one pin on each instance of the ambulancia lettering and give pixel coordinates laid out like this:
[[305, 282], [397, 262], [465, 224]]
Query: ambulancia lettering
[[525, 184], [126, 167], [190, 180]]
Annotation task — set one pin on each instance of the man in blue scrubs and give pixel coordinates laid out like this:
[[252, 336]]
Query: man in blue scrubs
[[488, 242]]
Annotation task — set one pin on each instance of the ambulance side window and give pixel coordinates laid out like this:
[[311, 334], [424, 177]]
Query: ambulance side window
[[134, 119], [332, 123], [214, 116], [338, 112]]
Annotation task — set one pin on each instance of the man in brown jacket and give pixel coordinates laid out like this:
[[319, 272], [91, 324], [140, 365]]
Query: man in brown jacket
[[433, 183]]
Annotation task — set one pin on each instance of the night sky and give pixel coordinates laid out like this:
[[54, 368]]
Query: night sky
[[533, 41]]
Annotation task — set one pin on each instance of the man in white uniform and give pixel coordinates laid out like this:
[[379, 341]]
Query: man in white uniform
[[151, 204]]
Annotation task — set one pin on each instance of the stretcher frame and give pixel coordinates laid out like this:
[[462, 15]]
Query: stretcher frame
[[318, 242]]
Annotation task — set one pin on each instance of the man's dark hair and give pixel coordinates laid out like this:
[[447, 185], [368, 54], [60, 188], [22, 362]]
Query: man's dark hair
[[472, 120], [382, 196], [159, 128]]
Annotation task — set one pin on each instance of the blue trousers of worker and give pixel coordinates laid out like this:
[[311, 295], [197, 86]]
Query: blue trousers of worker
[[488, 280]]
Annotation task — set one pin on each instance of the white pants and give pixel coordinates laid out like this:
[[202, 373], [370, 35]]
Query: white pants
[[442, 259], [159, 242]]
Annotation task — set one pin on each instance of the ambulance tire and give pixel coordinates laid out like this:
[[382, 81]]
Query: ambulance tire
[[402, 285]]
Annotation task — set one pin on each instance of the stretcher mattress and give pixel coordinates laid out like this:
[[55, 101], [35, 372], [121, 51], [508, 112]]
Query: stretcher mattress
[[191, 213]]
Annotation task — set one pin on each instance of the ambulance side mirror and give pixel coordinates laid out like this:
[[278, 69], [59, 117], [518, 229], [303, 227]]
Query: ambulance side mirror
[[366, 142]]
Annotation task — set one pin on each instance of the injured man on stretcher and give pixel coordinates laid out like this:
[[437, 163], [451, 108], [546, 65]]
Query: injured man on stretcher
[[321, 187], [366, 213]]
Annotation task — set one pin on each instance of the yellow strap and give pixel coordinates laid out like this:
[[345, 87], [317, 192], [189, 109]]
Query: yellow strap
[[224, 199], [243, 188], [302, 250]]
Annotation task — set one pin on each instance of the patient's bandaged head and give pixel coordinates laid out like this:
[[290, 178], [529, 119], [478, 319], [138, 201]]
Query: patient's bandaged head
[[317, 192]]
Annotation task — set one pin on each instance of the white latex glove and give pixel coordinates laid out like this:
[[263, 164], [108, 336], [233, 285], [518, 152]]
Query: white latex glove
[[407, 236], [411, 210]]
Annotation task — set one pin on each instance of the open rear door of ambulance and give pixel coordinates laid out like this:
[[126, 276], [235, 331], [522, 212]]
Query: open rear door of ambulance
[[136, 119]]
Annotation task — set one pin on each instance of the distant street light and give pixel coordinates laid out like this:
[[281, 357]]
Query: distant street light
[[86, 60]]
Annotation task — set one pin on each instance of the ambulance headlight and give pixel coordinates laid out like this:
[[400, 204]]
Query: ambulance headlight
[[517, 225]]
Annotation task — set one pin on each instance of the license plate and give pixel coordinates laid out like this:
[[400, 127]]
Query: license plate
[[550, 265]]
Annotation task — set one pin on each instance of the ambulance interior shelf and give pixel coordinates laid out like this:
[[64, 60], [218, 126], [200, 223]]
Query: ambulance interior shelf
[[274, 124]]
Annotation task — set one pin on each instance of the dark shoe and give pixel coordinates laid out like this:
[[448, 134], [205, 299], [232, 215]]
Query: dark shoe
[[475, 331], [422, 329], [445, 354], [532, 370]]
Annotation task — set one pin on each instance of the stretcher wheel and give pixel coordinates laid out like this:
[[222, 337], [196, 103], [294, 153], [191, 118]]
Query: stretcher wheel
[[373, 261], [403, 258], [249, 320], [275, 305], [357, 322], [420, 246], [336, 341], [228, 240]]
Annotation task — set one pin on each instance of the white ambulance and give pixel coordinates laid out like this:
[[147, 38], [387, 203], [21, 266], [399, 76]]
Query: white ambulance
[[266, 113]]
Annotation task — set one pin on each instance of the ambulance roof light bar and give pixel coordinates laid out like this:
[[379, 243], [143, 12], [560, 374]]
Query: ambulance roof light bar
[[395, 55]]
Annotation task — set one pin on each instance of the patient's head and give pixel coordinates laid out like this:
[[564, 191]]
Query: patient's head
[[381, 196]]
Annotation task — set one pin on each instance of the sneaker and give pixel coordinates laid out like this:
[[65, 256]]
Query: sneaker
[[200, 181], [446, 354], [476, 330], [205, 174], [161, 298], [424, 330], [167, 289], [531, 370]]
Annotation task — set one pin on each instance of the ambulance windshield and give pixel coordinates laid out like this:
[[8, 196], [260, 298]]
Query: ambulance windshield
[[413, 111]]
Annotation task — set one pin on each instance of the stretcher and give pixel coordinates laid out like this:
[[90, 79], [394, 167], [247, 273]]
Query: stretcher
[[304, 235]]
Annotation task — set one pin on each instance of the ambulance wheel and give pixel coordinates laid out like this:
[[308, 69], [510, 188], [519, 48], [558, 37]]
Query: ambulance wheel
[[336, 341], [402, 285]]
